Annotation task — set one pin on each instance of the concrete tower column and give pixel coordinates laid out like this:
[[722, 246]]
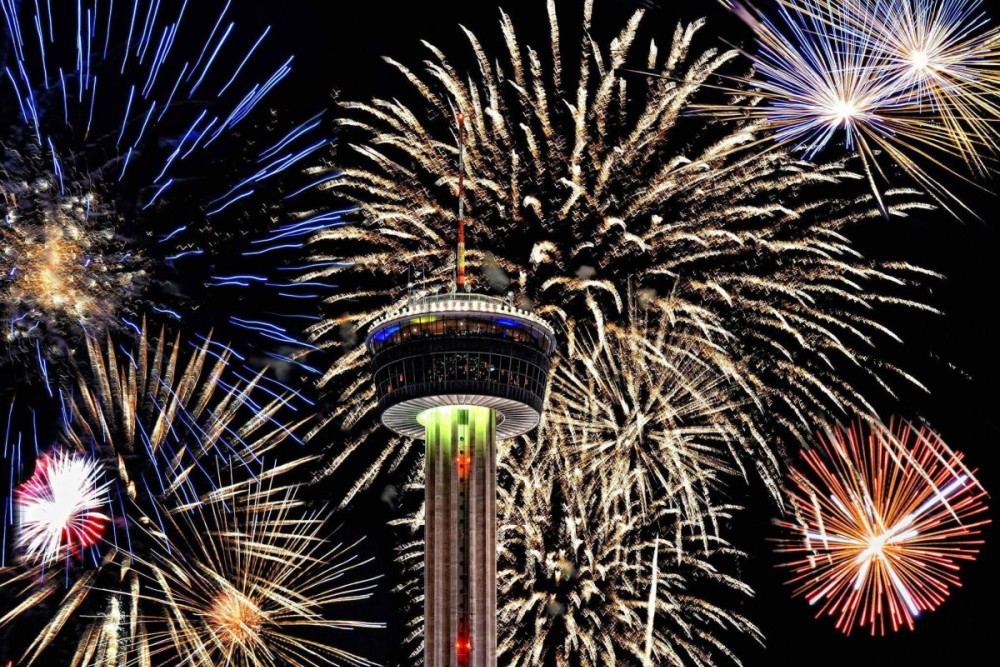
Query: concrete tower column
[[460, 537]]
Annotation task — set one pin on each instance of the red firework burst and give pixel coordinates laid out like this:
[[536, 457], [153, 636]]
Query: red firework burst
[[883, 517], [59, 507]]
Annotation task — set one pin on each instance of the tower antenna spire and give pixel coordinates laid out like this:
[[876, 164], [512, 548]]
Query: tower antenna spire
[[460, 274]]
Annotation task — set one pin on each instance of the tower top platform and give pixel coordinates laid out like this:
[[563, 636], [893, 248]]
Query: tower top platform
[[461, 349], [458, 303]]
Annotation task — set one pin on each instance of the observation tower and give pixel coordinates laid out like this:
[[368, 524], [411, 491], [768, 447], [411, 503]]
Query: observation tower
[[461, 371]]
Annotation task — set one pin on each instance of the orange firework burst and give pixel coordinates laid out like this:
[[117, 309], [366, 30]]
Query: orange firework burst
[[234, 618], [885, 515]]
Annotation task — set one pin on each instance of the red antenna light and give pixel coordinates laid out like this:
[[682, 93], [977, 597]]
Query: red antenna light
[[460, 276]]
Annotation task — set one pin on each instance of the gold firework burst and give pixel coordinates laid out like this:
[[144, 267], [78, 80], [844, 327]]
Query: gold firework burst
[[619, 188], [235, 620], [657, 406], [63, 268], [257, 586]]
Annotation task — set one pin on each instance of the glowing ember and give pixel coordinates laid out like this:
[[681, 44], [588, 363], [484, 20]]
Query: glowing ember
[[843, 111], [52, 273], [234, 619], [919, 60]]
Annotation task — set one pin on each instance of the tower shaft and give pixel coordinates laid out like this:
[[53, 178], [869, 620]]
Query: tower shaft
[[460, 537]]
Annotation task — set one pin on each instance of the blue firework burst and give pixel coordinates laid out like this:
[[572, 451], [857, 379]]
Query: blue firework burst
[[144, 171]]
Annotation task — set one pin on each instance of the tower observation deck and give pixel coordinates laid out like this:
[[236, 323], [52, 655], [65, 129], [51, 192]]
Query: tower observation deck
[[461, 371]]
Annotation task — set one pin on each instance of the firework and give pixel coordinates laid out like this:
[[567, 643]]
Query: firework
[[887, 515], [165, 425], [602, 584], [62, 273], [141, 172], [147, 406], [822, 81], [574, 206], [660, 407], [586, 579], [258, 589], [914, 79], [61, 509], [944, 55]]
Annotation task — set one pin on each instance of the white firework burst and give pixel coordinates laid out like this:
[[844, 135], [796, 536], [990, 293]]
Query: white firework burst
[[60, 508]]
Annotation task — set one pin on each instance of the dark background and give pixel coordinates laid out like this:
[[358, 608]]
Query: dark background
[[339, 45]]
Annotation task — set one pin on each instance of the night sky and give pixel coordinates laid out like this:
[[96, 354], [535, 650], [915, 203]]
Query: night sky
[[339, 46]]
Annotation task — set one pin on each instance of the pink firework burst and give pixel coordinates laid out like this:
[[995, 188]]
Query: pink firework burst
[[59, 509], [883, 517]]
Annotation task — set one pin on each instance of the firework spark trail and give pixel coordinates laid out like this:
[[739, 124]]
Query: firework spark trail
[[888, 513], [913, 79], [118, 109], [597, 560], [575, 574], [661, 407], [575, 204], [256, 588], [148, 405], [167, 423]]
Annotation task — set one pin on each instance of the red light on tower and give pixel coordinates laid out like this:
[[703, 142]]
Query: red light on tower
[[463, 462], [463, 647]]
